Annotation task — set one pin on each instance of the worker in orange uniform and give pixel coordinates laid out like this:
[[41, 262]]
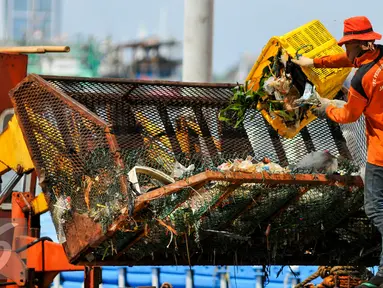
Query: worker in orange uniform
[[365, 96]]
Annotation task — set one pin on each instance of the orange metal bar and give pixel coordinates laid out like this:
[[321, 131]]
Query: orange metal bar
[[55, 258], [20, 267], [23, 200], [13, 69], [240, 177], [93, 277], [15, 269]]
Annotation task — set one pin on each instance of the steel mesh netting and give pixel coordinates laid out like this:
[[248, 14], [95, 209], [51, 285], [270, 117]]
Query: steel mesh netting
[[61, 140], [157, 124]]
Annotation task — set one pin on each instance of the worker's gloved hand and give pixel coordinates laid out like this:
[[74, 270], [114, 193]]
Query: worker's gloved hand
[[320, 110], [303, 61]]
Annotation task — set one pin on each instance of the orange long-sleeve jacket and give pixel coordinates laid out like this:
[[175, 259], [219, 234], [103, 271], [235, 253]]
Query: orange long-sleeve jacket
[[365, 96]]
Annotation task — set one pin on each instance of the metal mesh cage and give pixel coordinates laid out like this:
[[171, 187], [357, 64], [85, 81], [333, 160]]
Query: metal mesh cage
[[86, 134]]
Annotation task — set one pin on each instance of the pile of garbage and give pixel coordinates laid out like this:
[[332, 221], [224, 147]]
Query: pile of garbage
[[314, 162], [248, 166], [226, 215], [284, 92], [216, 212], [289, 85]]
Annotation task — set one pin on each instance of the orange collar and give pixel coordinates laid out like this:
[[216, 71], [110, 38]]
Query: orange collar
[[367, 57]]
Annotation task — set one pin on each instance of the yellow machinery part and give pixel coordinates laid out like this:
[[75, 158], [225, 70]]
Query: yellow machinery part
[[14, 150], [39, 204], [3, 168]]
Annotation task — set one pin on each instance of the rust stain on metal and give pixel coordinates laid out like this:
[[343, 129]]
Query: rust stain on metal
[[80, 232]]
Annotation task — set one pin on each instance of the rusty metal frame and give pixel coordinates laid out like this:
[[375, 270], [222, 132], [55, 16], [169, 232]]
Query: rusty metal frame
[[237, 178], [240, 178], [80, 244], [111, 139], [138, 81], [85, 112]]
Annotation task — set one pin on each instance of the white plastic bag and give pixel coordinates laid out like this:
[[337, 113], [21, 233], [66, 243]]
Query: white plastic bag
[[180, 170]]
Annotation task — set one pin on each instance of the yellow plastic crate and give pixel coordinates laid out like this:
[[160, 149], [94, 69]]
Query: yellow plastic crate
[[327, 81]]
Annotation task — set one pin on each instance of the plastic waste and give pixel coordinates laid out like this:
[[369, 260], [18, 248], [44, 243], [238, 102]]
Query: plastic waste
[[179, 170], [308, 91], [247, 166]]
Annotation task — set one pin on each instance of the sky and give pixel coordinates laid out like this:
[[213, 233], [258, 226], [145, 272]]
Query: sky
[[240, 26]]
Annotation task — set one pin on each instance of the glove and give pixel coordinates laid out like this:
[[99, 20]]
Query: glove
[[303, 61], [320, 110]]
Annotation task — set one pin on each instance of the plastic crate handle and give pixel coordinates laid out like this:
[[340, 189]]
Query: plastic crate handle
[[298, 55]]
